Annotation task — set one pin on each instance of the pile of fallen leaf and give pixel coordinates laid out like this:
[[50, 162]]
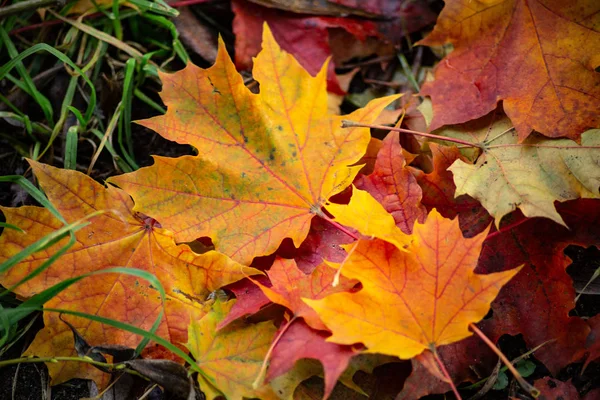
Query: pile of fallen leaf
[[327, 244]]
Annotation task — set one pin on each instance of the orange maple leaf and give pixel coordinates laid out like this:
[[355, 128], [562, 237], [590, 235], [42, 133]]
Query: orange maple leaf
[[266, 162], [117, 238], [412, 300], [539, 57], [290, 286]]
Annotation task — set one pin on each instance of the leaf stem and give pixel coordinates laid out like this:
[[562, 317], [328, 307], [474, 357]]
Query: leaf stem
[[500, 135], [351, 124], [338, 273], [339, 226], [263, 368], [524, 384], [445, 372], [496, 146], [508, 227]]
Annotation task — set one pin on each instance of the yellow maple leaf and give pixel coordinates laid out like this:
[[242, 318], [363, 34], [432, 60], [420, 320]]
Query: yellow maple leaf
[[266, 162]]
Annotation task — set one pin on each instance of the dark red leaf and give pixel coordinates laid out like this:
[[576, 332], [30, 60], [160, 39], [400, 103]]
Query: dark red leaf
[[250, 299], [553, 389], [537, 302], [394, 186]]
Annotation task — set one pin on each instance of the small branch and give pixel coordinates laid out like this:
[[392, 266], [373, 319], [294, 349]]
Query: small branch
[[28, 5], [445, 372], [524, 384], [352, 124], [263, 368], [393, 85]]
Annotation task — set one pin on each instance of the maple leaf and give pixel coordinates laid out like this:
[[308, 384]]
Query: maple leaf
[[307, 37], [300, 341], [438, 192], [412, 300], [530, 176], [509, 50], [290, 286], [537, 302], [367, 216], [230, 358], [394, 186], [118, 238], [250, 299], [266, 163], [322, 243]]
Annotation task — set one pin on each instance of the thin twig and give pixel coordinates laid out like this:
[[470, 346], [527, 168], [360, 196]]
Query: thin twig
[[524, 384], [352, 124], [85, 360], [263, 368]]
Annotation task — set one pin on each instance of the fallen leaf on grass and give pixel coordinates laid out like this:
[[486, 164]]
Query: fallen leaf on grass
[[538, 57], [230, 358], [412, 300], [266, 163], [117, 238]]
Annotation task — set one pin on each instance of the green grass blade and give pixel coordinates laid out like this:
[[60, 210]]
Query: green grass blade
[[62, 57], [35, 193], [13, 316], [408, 72], [157, 7], [11, 226], [77, 115], [41, 244], [43, 102], [64, 112], [130, 328], [44, 265], [116, 158], [70, 161], [124, 132], [140, 95]]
